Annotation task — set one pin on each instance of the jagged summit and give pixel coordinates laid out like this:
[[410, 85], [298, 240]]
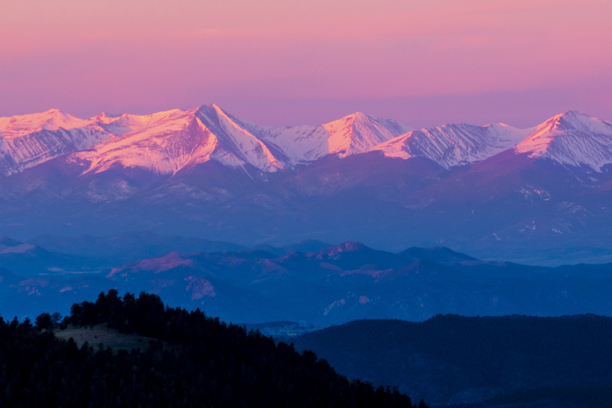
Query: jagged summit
[[52, 119], [454, 144], [352, 134], [168, 141], [359, 132], [110, 115], [28, 140], [578, 121], [573, 139]]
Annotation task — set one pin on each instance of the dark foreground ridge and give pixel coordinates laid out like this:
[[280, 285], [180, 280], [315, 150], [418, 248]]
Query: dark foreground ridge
[[508, 361], [191, 360]]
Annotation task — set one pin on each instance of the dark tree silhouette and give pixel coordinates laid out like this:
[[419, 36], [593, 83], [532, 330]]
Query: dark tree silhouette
[[191, 360]]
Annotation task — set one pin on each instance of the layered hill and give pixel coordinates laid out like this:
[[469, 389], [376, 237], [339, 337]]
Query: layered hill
[[330, 286]]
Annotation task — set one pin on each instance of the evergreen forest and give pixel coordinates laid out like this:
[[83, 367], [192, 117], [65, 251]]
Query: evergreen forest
[[191, 360]]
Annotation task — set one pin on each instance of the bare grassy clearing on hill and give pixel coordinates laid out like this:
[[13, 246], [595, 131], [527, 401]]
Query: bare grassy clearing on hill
[[101, 334]]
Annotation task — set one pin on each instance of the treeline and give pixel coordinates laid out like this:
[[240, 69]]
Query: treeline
[[192, 360]]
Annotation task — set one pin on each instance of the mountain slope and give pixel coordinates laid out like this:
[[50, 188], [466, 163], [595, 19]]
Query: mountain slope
[[28, 140], [453, 145], [179, 359], [178, 139], [352, 134], [208, 174], [166, 142], [571, 139], [516, 361]]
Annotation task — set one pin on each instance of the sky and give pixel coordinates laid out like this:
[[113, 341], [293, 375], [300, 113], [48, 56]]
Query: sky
[[282, 62]]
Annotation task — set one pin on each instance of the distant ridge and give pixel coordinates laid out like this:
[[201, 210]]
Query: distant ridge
[[129, 247], [572, 139], [438, 254], [165, 142], [330, 286]]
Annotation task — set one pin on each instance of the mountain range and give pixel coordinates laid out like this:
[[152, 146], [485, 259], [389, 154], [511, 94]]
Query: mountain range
[[537, 195], [309, 282]]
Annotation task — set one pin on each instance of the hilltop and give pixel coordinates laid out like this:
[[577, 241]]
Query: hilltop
[[191, 360]]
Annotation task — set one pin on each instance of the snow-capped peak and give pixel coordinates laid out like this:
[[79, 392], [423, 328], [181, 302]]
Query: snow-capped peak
[[165, 142], [240, 138], [120, 124], [53, 119], [454, 144], [169, 141], [28, 140], [359, 132], [352, 134], [573, 121], [571, 138]]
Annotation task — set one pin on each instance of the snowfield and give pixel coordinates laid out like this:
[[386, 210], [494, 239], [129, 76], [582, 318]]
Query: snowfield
[[166, 142]]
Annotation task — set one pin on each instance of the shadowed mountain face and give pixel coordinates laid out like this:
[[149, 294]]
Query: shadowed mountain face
[[539, 195], [510, 361], [329, 286]]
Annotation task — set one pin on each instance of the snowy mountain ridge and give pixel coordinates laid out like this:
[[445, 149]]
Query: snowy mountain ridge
[[166, 142], [352, 134], [454, 145], [53, 119], [573, 139], [28, 140]]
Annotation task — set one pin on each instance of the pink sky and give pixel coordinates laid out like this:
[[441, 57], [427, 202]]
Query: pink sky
[[288, 62]]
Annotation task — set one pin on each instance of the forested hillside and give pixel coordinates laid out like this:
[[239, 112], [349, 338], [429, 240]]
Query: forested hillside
[[493, 361], [191, 360]]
